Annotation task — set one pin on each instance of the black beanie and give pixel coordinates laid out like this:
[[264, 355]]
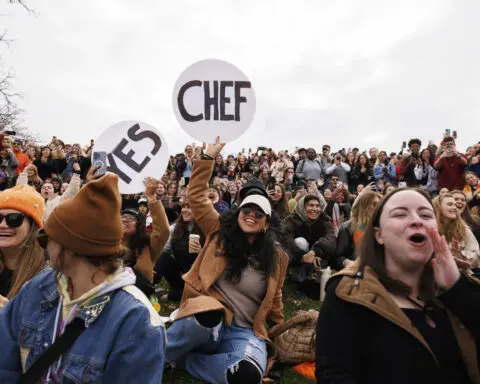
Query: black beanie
[[253, 187]]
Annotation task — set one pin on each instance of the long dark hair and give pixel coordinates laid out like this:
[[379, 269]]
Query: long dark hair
[[181, 228], [281, 206], [139, 240], [372, 254], [238, 250]]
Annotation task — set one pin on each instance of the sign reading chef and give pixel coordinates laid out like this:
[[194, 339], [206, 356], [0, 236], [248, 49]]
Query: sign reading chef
[[214, 98], [134, 151]]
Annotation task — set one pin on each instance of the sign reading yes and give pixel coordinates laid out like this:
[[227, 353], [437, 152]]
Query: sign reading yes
[[214, 98], [135, 151]]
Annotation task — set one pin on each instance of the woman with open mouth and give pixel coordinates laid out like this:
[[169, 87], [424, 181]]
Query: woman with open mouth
[[460, 238], [403, 312], [235, 284], [21, 257]]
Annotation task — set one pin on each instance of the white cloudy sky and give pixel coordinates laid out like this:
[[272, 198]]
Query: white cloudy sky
[[347, 72]]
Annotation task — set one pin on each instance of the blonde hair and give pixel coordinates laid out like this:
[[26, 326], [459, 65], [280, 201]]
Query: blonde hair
[[452, 229], [360, 210], [32, 261]]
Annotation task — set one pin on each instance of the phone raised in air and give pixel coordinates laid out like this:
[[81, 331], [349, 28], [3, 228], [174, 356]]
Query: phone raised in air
[[100, 159]]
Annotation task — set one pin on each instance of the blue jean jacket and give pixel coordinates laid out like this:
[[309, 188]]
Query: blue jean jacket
[[124, 341]]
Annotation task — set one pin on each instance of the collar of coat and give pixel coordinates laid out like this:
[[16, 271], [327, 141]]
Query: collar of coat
[[364, 288]]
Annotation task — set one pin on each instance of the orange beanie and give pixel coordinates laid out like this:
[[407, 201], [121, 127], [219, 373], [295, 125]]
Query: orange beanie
[[89, 223], [25, 199]]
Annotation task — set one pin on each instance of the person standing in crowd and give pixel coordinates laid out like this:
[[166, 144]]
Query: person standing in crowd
[[88, 295], [425, 174], [279, 167], [52, 199], [21, 258], [403, 304], [362, 173], [352, 231], [450, 165], [23, 159], [461, 240], [409, 162], [325, 157], [233, 288], [310, 168], [384, 169], [8, 163], [311, 242], [189, 155], [145, 248], [45, 164], [179, 253], [339, 169]]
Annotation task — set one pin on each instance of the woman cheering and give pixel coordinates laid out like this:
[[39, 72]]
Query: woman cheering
[[232, 290], [403, 313]]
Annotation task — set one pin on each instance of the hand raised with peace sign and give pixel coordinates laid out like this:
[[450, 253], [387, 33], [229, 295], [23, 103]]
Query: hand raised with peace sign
[[214, 149]]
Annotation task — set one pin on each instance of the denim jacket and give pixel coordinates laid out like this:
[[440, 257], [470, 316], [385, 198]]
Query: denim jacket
[[123, 342]]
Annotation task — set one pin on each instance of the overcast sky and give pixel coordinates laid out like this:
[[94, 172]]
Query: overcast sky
[[348, 73]]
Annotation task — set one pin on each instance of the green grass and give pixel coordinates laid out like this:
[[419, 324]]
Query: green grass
[[293, 301]]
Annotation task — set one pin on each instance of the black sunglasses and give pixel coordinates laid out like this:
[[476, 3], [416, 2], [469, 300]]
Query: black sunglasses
[[42, 238], [256, 212], [14, 220]]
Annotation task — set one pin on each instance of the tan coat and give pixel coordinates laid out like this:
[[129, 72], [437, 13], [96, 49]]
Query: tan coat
[[370, 293], [198, 295], [158, 238]]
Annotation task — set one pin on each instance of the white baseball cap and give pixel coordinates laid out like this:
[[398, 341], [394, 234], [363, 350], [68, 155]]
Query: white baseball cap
[[260, 201]]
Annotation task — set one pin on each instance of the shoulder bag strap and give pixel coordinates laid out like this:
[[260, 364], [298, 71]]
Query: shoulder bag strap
[[59, 347]]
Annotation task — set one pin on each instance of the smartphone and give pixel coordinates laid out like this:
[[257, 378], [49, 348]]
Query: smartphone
[[447, 131], [454, 134], [100, 159], [404, 144], [402, 184]]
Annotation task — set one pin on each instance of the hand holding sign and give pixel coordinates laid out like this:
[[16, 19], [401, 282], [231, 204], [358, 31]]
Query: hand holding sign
[[214, 98], [134, 150]]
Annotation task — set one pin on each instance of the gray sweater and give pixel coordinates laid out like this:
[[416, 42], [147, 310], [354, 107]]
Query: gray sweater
[[309, 169], [10, 164]]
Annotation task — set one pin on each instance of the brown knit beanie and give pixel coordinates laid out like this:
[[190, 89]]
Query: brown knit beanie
[[89, 223]]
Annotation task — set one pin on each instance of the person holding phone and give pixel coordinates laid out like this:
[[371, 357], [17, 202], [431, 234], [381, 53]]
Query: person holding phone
[[409, 162], [450, 165]]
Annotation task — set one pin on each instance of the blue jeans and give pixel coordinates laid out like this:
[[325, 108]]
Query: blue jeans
[[208, 353]]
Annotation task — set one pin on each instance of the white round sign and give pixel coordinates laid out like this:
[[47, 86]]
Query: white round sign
[[134, 151], [214, 98]]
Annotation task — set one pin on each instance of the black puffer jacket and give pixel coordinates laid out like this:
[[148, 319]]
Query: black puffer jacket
[[320, 233]]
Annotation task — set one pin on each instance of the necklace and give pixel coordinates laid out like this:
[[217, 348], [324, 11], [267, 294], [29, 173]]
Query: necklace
[[425, 310]]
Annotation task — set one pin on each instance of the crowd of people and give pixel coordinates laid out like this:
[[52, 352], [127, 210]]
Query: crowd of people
[[83, 268]]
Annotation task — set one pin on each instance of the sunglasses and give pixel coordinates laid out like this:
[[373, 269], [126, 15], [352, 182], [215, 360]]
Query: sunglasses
[[128, 219], [14, 220], [42, 238], [334, 179], [256, 212]]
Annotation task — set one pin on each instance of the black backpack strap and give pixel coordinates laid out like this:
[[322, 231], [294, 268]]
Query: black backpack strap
[[58, 348]]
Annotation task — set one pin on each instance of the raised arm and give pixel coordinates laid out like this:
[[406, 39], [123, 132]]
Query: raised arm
[[160, 227], [205, 214]]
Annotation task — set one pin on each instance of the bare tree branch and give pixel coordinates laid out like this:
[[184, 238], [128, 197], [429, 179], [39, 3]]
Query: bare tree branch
[[22, 3]]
